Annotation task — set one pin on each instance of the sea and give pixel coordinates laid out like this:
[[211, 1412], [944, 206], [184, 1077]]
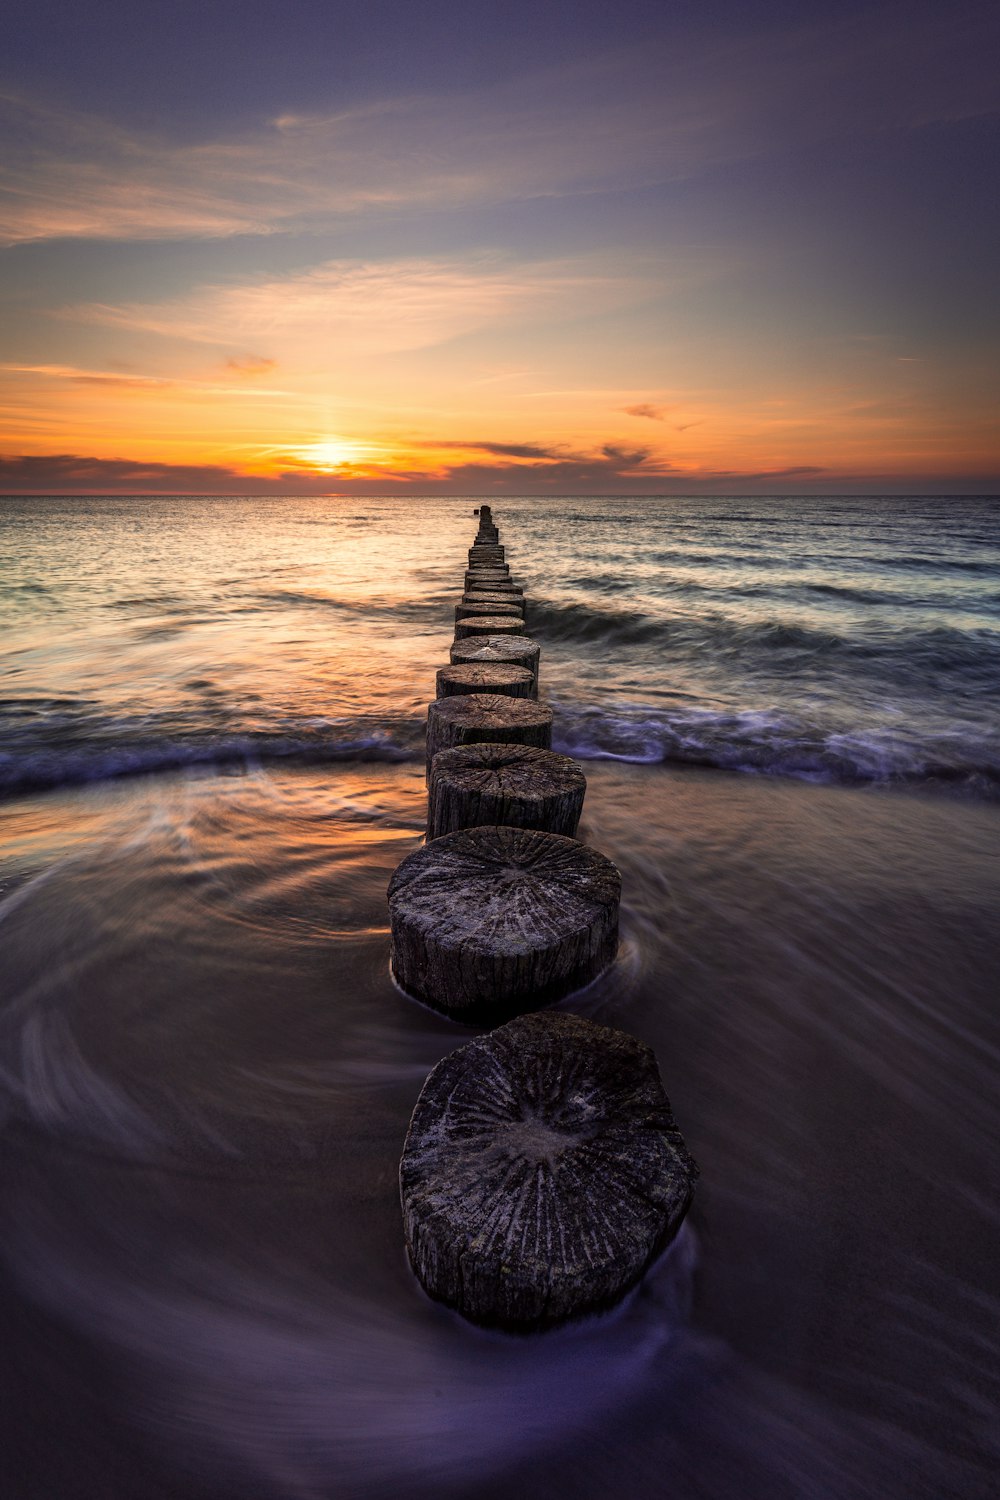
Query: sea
[[212, 715]]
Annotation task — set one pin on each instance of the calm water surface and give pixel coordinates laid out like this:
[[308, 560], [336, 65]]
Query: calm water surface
[[206, 1073]]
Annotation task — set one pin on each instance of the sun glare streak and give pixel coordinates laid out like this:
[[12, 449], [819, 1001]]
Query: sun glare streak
[[329, 453]]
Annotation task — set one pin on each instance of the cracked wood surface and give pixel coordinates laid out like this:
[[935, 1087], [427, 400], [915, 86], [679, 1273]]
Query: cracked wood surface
[[520, 650], [479, 607], [542, 1172], [469, 718], [485, 677], [489, 625], [518, 786], [489, 922], [495, 596]]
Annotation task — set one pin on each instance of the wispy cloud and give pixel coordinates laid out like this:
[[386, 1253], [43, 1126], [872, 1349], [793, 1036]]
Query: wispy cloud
[[78, 474], [76, 376], [250, 364], [644, 409], [352, 307], [128, 381], [616, 123]]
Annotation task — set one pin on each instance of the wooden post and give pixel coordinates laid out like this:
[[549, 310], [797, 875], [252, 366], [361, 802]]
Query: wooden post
[[489, 625], [492, 585], [486, 677], [489, 607], [522, 651], [489, 922], [487, 577], [495, 596], [516, 785], [542, 1172], [471, 718]]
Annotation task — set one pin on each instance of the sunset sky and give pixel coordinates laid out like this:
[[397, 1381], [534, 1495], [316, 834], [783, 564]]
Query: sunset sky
[[521, 247]]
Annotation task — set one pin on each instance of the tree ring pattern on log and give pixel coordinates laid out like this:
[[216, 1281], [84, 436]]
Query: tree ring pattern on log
[[474, 582], [485, 677], [518, 786], [542, 1172], [489, 922], [489, 625], [465, 611], [519, 648], [495, 596], [469, 718]]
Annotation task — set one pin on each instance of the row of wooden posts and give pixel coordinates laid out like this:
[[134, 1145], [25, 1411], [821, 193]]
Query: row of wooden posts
[[542, 1168], [493, 776]]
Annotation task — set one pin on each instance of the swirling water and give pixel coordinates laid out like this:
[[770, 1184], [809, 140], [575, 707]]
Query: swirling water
[[206, 1072]]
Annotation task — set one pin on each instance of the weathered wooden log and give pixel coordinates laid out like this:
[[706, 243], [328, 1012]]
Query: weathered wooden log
[[482, 577], [518, 786], [486, 677], [492, 558], [489, 625], [470, 611], [520, 650], [474, 718], [542, 1173], [475, 582], [485, 548], [494, 596], [489, 922], [487, 534]]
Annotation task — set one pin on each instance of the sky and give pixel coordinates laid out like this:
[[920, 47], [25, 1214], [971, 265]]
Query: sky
[[559, 247]]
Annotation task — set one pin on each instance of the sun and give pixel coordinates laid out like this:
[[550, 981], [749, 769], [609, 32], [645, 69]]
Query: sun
[[328, 453]]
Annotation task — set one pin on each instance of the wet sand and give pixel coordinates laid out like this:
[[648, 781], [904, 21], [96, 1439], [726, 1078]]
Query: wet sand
[[206, 1074]]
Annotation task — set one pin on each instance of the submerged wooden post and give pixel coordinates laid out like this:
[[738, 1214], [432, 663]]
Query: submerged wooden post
[[485, 677], [518, 786], [542, 1172], [471, 718], [489, 922]]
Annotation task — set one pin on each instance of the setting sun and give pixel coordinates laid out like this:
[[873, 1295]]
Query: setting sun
[[328, 453]]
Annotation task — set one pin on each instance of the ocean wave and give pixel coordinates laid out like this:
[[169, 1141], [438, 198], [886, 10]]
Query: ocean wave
[[46, 767], [779, 643], [764, 742]]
